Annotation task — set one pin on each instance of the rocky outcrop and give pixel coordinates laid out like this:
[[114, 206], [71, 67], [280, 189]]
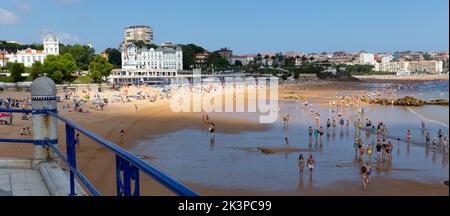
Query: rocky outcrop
[[408, 101]]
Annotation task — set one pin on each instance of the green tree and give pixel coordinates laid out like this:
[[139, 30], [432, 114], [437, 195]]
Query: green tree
[[36, 70], [82, 55], [99, 68], [114, 57], [16, 70], [216, 60], [238, 63], [189, 52], [60, 67], [427, 57]]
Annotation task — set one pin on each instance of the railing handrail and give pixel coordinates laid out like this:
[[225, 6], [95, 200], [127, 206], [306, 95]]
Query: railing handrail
[[168, 182], [163, 179]]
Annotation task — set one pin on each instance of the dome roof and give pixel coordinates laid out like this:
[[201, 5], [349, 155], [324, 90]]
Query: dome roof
[[50, 38], [43, 86]]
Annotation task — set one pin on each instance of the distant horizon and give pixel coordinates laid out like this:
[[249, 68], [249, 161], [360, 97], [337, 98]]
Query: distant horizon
[[248, 27]]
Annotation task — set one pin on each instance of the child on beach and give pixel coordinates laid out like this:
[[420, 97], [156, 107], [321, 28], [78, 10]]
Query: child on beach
[[310, 131]]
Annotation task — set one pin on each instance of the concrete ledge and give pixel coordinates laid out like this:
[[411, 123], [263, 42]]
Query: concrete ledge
[[14, 163], [57, 181]]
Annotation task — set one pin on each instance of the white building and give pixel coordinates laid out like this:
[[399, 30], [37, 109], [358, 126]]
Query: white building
[[29, 56], [142, 64], [330, 70], [410, 66], [245, 59], [367, 58]]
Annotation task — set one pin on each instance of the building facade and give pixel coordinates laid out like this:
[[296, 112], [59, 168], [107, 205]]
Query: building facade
[[133, 34], [226, 54], [143, 65], [410, 66], [367, 58], [201, 59], [29, 56]]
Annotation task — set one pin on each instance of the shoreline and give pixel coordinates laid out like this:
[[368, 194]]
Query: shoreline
[[396, 79]]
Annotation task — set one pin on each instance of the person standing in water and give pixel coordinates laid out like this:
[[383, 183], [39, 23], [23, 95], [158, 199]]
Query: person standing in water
[[341, 122], [378, 147], [361, 150], [310, 131], [316, 133], [408, 135], [369, 152], [301, 163], [310, 163], [369, 172], [427, 138]]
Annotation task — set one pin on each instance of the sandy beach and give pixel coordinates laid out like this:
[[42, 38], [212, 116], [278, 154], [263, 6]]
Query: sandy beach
[[157, 118]]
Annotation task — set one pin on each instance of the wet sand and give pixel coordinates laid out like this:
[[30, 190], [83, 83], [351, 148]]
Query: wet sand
[[98, 164]]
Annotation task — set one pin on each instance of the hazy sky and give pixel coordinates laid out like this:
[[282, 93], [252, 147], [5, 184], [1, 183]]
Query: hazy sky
[[245, 26]]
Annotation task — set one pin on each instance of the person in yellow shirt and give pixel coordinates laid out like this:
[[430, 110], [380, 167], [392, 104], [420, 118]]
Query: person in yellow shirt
[[369, 152]]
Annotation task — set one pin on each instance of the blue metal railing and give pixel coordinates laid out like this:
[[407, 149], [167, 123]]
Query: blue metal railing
[[128, 165]]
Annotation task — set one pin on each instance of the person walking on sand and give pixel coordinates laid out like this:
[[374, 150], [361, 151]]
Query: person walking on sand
[[135, 107], [301, 163], [77, 140], [310, 163]]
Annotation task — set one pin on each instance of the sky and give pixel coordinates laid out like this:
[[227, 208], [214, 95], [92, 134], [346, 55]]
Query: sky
[[245, 26]]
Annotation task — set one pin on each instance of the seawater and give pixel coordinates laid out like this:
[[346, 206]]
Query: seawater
[[232, 160]]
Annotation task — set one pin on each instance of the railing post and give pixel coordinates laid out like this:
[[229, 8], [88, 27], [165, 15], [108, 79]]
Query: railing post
[[126, 173], [71, 156], [45, 128]]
